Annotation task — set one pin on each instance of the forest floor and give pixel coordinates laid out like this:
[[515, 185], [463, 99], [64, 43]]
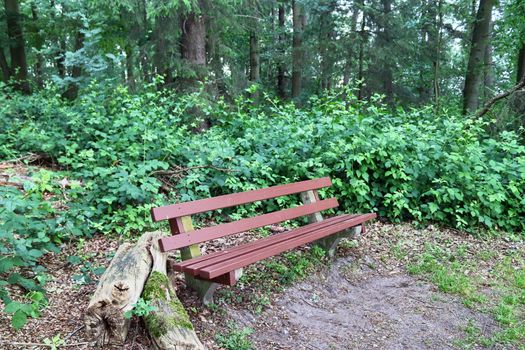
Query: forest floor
[[387, 292], [397, 287]]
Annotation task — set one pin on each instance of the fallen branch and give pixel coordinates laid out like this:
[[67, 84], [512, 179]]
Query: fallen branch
[[43, 344], [179, 170], [496, 98]]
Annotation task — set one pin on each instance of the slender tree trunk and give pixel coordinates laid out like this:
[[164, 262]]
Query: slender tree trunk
[[17, 46], [130, 76], [437, 61], [280, 68], [386, 39], [297, 49], [38, 46], [71, 92], [350, 48], [4, 67], [255, 62], [61, 44], [521, 65], [360, 72], [480, 38]]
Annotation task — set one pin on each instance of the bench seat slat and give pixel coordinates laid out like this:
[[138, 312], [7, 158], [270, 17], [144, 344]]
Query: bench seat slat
[[267, 242], [279, 243], [234, 199], [247, 259], [214, 232]]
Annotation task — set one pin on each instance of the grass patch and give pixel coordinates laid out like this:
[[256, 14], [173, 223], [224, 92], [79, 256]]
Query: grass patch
[[499, 292], [235, 338]]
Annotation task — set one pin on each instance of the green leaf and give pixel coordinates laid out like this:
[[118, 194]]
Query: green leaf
[[19, 320]]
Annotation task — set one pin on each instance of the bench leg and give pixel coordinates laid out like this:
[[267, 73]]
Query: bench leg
[[205, 289], [329, 244]]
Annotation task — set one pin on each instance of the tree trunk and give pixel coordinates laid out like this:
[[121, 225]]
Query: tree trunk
[[385, 39], [193, 53], [360, 69], [39, 41], [488, 81], [169, 325], [480, 38], [118, 290], [280, 67], [520, 71], [4, 67], [130, 76], [255, 62], [437, 61], [297, 49], [326, 38], [350, 48], [71, 92], [16, 45], [193, 44]]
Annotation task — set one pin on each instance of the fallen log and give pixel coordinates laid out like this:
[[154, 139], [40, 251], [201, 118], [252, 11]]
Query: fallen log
[[119, 289], [169, 325]]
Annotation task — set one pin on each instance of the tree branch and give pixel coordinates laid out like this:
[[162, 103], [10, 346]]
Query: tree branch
[[496, 98]]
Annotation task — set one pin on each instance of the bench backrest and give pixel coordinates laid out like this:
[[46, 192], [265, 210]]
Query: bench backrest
[[176, 212]]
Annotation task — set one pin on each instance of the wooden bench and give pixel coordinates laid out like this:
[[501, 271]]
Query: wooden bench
[[205, 273]]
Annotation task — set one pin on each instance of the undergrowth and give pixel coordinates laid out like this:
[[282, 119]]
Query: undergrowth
[[130, 152]]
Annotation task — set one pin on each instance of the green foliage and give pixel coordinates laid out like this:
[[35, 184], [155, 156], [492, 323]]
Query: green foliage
[[141, 308], [235, 338], [131, 152]]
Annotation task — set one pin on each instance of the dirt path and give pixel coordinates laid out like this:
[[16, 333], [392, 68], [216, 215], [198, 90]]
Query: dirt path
[[349, 307]]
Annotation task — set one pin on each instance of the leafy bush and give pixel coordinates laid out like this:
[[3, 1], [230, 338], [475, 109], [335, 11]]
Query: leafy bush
[[403, 165], [135, 151]]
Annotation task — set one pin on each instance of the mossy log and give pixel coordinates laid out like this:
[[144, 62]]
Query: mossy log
[[169, 324], [119, 289]]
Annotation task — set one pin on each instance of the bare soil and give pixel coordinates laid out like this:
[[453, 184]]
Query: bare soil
[[353, 307]]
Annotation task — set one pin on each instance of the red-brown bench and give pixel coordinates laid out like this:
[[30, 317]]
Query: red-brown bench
[[204, 273]]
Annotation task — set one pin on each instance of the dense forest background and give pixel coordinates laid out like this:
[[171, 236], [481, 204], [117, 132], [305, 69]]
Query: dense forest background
[[413, 52]]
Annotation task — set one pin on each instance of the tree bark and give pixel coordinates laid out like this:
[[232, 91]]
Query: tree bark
[[39, 41], [130, 76], [360, 69], [480, 38], [16, 45], [280, 67], [168, 325], [520, 71], [297, 49], [6, 74], [488, 81], [71, 92], [385, 39], [193, 42], [350, 48], [118, 290], [255, 62]]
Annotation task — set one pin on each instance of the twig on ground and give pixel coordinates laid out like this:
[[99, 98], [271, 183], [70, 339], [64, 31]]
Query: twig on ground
[[74, 332], [43, 344]]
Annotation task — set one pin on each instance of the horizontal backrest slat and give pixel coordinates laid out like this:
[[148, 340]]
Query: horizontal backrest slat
[[214, 232], [231, 200]]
